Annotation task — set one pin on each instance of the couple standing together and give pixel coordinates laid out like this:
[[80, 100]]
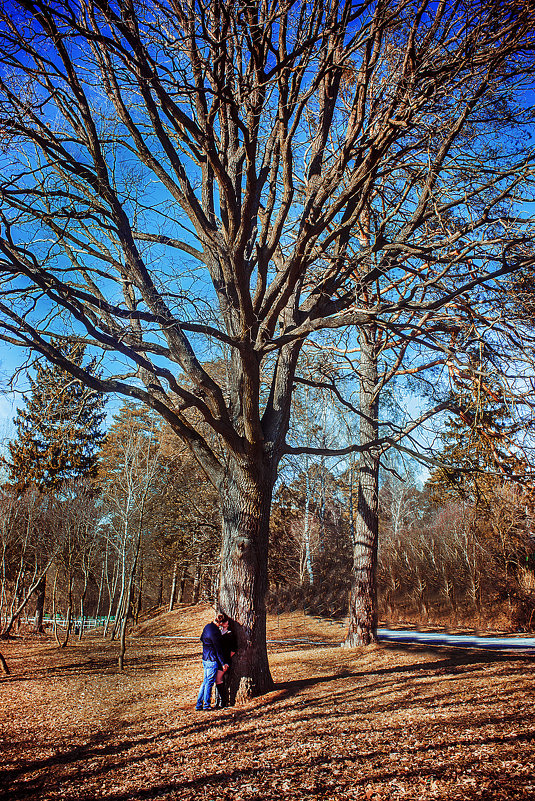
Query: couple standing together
[[219, 645]]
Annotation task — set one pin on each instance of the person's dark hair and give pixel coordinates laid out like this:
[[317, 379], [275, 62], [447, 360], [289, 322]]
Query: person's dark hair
[[221, 617]]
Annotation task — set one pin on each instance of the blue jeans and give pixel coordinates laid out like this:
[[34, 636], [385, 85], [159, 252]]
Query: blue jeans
[[205, 693]]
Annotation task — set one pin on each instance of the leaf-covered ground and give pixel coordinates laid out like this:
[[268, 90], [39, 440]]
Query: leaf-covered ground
[[377, 723]]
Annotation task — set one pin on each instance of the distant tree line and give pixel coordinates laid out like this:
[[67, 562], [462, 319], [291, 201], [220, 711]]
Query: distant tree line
[[458, 550], [100, 525]]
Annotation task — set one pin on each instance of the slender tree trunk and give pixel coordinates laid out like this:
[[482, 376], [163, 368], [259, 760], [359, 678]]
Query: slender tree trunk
[[3, 663], [243, 584], [174, 582], [124, 619], [119, 612], [183, 579], [3, 586], [68, 625], [54, 615], [16, 611], [81, 628], [139, 600], [40, 605], [306, 531], [112, 588], [68, 622], [121, 600], [62, 643], [362, 628], [100, 585], [82, 604], [128, 598], [197, 579], [139, 605]]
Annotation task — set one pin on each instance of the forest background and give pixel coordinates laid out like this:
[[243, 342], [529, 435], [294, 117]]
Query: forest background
[[115, 522]]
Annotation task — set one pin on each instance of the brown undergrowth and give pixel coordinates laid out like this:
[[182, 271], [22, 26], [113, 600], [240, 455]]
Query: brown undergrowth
[[376, 723]]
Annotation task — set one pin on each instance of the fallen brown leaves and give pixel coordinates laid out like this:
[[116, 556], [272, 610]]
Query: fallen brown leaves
[[372, 724]]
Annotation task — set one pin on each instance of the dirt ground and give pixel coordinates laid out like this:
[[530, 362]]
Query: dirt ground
[[376, 723]]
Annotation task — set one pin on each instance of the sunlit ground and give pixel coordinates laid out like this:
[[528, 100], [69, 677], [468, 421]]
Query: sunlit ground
[[377, 723]]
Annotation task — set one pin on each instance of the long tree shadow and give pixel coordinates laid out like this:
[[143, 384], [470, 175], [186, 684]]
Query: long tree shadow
[[455, 661], [102, 664], [37, 786], [102, 744], [31, 776]]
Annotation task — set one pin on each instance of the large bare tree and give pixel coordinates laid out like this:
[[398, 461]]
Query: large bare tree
[[243, 181]]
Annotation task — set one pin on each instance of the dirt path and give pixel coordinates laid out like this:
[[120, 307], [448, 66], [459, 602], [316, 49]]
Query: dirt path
[[382, 723]]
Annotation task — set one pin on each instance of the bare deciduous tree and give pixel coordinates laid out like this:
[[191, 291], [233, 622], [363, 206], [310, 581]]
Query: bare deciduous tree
[[74, 524], [249, 180], [26, 552], [130, 464]]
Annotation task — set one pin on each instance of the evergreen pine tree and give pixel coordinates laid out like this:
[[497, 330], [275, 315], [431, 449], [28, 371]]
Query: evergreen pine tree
[[478, 451], [59, 429]]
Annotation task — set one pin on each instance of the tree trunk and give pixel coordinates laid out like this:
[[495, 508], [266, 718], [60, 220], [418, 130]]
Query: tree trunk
[[197, 579], [362, 628], [100, 585], [82, 605], [307, 567], [3, 663], [62, 643], [16, 611], [183, 579], [40, 606], [68, 624], [121, 602], [129, 596], [111, 587], [138, 606], [243, 584], [172, 596], [122, 629]]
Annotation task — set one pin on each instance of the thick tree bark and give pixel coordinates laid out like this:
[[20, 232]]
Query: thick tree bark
[[362, 629], [243, 585]]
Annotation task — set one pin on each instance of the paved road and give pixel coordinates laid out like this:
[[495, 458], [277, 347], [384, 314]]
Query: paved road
[[457, 640], [525, 644]]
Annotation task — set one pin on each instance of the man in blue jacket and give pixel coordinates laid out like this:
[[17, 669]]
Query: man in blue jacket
[[213, 659]]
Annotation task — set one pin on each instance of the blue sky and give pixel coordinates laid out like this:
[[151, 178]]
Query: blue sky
[[10, 359]]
